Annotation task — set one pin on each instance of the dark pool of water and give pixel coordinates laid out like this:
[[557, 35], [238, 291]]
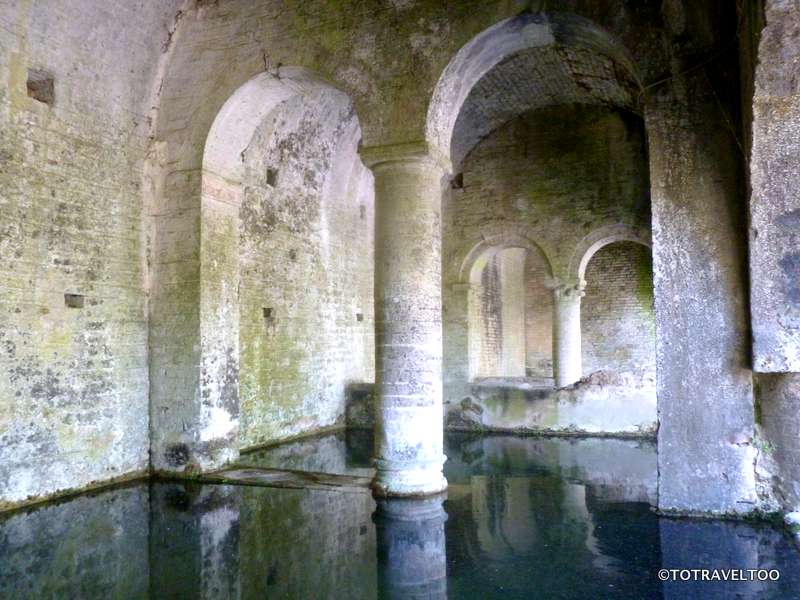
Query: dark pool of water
[[523, 518]]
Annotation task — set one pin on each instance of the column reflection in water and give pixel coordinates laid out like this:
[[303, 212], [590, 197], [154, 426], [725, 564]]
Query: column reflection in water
[[412, 561]]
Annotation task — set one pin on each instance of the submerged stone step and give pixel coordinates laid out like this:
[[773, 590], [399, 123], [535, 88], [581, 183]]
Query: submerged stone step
[[241, 475]]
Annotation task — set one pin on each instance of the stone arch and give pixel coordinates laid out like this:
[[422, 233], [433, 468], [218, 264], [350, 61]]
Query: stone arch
[[599, 238], [617, 310], [503, 40], [483, 251], [240, 116], [494, 348], [195, 301]]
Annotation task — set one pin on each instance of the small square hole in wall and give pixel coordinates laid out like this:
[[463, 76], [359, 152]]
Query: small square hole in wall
[[268, 313], [41, 86], [359, 317], [272, 177], [73, 300], [292, 254]]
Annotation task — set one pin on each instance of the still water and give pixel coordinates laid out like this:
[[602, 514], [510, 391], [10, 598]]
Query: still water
[[523, 518]]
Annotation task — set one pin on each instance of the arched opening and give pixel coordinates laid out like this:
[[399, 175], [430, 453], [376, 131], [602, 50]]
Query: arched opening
[[540, 117], [283, 151], [510, 315], [618, 315]]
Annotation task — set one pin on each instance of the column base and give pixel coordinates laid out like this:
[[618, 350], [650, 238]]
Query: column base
[[415, 479]]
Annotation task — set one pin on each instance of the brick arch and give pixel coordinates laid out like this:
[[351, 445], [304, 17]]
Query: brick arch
[[482, 252], [547, 37], [598, 239], [195, 271]]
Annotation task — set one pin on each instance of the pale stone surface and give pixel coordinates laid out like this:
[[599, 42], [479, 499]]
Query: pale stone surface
[[617, 312], [74, 381], [307, 257], [775, 201], [411, 548], [704, 386], [104, 195], [602, 404], [567, 332], [778, 408], [590, 407], [408, 321], [517, 195]]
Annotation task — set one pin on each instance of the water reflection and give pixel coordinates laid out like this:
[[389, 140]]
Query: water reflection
[[412, 558], [523, 518]]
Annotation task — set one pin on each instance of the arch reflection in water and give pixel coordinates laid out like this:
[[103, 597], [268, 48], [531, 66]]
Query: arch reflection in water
[[412, 558]]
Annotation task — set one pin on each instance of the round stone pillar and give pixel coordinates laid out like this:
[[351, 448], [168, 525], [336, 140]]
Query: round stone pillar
[[412, 558], [567, 367], [408, 320]]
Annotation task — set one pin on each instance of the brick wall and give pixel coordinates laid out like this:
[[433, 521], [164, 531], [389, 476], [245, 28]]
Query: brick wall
[[617, 314], [74, 379], [306, 252], [554, 184]]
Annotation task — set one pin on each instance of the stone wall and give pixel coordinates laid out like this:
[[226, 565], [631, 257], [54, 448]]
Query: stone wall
[[617, 314], [306, 260], [778, 403], [768, 57], [553, 175], [775, 203], [704, 385], [498, 316], [74, 100], [486, 316], [538, 319], [539, 182]]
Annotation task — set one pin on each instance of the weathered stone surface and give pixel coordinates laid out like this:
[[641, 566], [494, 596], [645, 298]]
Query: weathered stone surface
[[778, 407], [306, 254], [606, 403], [621, 408], [775, 200], [560, 192], [704, 386], [408, 321], [617, 312], [121, 248], [74, 380]]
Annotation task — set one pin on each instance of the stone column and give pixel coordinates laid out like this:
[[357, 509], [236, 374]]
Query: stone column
[[704, 383], [567, 333], [412, 559], [408, 320]]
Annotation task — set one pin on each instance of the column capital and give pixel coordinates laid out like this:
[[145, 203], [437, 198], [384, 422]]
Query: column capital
[[566, 288], [375, 157]]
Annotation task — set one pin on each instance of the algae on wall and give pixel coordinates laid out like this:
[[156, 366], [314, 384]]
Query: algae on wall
[[306, 269]]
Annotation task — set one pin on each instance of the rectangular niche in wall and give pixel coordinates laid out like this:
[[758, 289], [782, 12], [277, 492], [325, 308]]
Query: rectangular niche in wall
[[73, 300], [272, 177], [269, 316], [41, 86], [359, 317]]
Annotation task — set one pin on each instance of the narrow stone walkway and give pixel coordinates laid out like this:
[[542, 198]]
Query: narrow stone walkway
[[288, 479]]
